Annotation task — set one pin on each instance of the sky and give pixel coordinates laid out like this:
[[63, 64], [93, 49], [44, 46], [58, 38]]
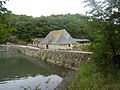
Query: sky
[[37, 8]]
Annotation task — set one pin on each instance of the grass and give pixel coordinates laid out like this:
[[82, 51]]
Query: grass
[[82, 47], [88, 78]]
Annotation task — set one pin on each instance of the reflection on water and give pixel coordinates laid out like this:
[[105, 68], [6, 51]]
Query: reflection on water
[[18, 71]]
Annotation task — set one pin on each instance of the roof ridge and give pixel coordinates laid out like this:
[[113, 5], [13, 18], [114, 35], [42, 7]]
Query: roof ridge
[[58, 37]]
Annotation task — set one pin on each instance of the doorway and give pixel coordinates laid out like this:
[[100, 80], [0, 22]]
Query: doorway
[[47, 47]]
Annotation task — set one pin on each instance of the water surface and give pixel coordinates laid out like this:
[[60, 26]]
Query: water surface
[[18, 71]]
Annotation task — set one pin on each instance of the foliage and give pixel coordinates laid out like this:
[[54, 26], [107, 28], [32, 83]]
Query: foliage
[[82, 47], [62, 61], [88, 78], [106, 21], [4, 27], [29, 27], [4, 30]]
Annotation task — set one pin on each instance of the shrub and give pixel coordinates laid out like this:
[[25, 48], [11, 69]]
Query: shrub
[[88, 78]]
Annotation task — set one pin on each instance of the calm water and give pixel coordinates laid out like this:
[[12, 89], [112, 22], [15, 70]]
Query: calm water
[[18, 71]]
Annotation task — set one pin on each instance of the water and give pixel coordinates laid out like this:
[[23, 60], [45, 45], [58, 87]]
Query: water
[[18, 72]]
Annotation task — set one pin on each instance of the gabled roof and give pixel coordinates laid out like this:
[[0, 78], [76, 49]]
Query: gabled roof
[[37, 39], [58, 37]]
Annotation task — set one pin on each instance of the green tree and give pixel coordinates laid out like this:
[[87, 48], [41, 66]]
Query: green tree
[[29, 27], [5, 29], [106, 19]]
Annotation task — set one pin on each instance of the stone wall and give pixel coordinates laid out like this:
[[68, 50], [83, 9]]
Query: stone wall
[[67, 58]]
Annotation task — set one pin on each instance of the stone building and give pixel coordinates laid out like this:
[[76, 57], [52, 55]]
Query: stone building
[[82, 41], [59, 39], [35, 41]]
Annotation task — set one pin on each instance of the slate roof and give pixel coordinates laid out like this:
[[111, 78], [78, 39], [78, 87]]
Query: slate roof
[[58, 37]]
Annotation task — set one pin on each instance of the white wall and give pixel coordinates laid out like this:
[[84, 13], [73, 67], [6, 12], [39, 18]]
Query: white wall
[[57, 46]]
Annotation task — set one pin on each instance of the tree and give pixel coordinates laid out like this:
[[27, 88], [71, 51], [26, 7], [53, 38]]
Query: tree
[[4, 27], [106, 18], [29, 27]]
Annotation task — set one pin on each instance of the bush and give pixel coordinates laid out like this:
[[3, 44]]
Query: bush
[[88, 78]]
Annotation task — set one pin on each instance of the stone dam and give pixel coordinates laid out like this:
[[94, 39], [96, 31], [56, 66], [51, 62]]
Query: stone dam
[[66, 58]]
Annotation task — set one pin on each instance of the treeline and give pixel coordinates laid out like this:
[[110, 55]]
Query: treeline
[[28, 27], [5, 28]]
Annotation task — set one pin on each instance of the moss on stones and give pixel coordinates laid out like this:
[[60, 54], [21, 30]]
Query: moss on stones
[[44, 57], [62, 61]]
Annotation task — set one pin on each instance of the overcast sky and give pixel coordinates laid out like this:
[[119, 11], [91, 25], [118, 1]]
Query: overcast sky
[[37, 8]]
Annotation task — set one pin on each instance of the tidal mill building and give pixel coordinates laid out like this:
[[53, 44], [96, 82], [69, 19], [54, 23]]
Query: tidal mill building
[[59, 39]]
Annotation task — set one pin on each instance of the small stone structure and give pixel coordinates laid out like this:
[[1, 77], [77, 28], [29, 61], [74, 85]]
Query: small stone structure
[[82, 41], [66, 58], [58, 39], [35, 41]]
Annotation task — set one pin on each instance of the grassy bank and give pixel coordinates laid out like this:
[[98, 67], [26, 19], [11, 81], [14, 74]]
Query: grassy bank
[[82, 47], [88, 78]]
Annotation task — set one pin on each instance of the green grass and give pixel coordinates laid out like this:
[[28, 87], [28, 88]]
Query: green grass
[[82, 47], [88, 78]]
